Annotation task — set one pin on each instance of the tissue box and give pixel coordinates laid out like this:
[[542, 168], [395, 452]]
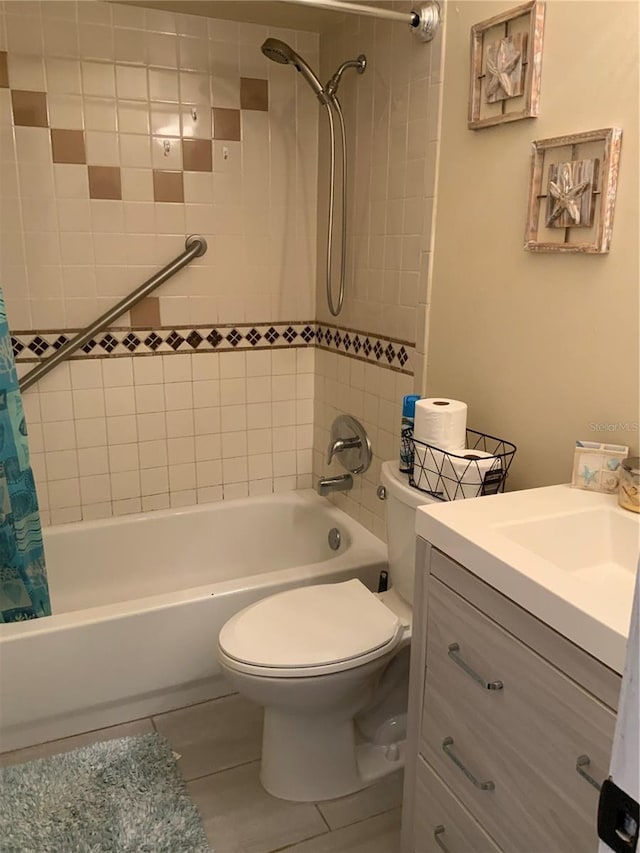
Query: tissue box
[[597, 466]]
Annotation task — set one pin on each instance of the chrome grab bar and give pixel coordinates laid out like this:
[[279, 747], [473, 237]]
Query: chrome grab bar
[[195, 246]]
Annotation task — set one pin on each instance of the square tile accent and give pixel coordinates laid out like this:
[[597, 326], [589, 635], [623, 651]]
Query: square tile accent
[[30, 108], [4, 70], [67, 146], [254, 94], [226, 124], [197, 155], [146, 314], [104, 182], [167, 186]]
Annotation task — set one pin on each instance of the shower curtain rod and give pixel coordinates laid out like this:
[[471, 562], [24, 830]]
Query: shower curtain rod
[[423, 20]]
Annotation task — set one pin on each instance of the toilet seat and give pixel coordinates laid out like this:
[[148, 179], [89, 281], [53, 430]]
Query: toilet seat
[[309, 631]]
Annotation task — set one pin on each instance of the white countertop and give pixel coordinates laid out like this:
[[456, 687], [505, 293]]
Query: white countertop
[[538, 547]]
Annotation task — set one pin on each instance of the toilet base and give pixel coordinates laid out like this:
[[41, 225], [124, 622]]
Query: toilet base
[[377, 761], [323, 766]]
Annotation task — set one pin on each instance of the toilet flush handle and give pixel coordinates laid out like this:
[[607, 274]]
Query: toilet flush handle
[[381, 492]]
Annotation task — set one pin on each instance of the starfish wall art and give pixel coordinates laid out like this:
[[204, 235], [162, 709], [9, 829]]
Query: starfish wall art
[[504, 68], [572, 198], [506, 65], [570, 194]]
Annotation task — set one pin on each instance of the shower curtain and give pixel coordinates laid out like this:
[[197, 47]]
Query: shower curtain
[[24, 592]]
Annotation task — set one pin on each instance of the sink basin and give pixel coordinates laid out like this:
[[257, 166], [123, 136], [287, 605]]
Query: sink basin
[[568, 556], [591, 544]]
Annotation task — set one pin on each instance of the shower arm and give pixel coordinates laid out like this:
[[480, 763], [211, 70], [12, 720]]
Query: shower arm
[[331, 88]]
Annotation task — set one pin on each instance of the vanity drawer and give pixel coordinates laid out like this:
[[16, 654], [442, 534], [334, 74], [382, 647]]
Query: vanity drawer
[[443, 823], [510, 753]]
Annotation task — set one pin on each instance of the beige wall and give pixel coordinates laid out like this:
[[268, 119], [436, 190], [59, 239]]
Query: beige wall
[[540, 346]]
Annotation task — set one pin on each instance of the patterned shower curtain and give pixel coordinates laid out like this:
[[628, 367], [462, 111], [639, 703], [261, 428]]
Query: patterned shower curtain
[[24, 592]]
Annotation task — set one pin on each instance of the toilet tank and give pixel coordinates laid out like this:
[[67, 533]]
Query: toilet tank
[[401, 503]]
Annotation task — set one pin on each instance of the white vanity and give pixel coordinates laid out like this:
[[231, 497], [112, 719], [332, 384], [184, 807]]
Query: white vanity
[[521, 614]]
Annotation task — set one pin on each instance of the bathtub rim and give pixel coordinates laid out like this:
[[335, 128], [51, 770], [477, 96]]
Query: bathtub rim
[[294, 496], [364, 547]]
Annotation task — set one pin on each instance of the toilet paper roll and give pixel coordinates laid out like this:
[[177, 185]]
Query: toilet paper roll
[[463, 475], [442, 423]]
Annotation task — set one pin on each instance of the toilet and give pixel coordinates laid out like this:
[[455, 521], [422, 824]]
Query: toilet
[[329, 663]]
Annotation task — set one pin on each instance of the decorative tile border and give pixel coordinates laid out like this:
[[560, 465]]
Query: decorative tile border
[[38, 345], [386, 352], [35, 346]]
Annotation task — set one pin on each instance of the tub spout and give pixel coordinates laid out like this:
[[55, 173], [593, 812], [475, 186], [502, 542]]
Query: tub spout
[[341, 483]]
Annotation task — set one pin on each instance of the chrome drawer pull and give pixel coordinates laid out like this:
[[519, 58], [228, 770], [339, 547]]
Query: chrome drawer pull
[[437, 832], [447, 743], [454, 648], [585, 761]]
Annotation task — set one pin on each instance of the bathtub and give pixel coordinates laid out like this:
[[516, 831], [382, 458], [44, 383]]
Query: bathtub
[[138, 602]]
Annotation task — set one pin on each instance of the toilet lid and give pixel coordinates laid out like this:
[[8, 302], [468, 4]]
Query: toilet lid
[[321, 626]]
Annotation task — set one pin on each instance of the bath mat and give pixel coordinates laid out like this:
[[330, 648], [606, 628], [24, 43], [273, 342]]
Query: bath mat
[[120, 796]]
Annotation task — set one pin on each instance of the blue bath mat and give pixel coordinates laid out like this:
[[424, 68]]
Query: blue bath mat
[[120, 796]]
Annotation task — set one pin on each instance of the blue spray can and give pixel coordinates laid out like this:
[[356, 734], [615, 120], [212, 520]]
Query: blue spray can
[[406, 432]]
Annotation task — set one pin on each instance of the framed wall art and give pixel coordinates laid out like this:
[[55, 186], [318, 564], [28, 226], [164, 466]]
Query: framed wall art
[[506, 63], [572, 192]]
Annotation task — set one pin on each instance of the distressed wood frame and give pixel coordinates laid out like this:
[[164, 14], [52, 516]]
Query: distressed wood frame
[[611, 139], [535, 10]]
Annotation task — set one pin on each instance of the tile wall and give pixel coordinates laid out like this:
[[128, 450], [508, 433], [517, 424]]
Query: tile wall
[[369, 392], [392, 114], [123, 434], [122, 130]]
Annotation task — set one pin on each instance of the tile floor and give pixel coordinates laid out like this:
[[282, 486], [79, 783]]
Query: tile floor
[[219, 745]]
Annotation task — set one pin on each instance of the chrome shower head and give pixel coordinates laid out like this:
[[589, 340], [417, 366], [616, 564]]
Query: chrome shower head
[[279, 51]]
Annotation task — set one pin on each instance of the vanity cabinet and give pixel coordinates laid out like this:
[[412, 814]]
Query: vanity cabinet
[[510, 726]]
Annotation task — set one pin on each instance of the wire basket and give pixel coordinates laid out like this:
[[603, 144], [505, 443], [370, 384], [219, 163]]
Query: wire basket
[[450, 477]]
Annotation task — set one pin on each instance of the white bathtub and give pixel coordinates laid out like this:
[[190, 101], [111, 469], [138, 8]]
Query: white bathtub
[[138, 603]]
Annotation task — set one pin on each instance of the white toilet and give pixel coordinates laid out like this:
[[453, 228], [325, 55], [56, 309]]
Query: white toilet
[[316, 656]]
